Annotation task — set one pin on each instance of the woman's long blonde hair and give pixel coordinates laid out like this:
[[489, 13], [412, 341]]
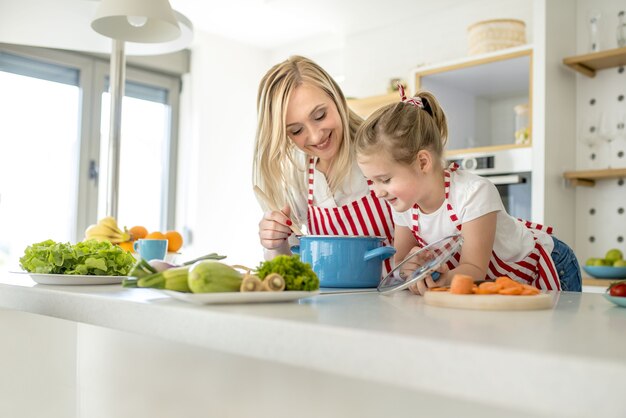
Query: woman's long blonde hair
[[403, 129], [278, 165]]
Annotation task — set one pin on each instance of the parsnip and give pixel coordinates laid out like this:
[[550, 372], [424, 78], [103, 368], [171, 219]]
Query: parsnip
[[273, 282], [250, 283]]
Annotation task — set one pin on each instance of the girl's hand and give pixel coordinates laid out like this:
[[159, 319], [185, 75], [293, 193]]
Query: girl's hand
[[415, 262], [422, 286], [274, 228], [412, 264]]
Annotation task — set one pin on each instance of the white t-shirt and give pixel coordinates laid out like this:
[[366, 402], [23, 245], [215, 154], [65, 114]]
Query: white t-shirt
[[471, 197]]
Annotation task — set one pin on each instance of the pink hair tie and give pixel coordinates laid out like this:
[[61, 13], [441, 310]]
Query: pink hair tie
[[415, 101]]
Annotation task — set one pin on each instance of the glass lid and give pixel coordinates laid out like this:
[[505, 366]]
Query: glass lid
[[428, 259]]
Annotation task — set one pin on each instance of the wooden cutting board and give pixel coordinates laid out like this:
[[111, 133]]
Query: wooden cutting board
[[489, 302]]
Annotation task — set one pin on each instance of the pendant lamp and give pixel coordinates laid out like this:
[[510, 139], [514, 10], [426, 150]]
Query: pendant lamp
[[147, 21], [143, 21]]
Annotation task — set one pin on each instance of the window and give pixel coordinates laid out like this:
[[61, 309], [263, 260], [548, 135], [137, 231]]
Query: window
[[39, 152], [53, 141], [144, 155]]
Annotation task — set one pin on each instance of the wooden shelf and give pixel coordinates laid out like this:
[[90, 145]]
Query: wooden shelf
[[588, 178], [588, 64], [490, 148], [367, 105]]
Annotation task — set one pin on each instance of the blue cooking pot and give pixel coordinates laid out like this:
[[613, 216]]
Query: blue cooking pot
[[344, 261]]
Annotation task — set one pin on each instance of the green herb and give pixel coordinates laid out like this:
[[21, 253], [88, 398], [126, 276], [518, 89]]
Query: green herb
[[297, 275], [84, 258]]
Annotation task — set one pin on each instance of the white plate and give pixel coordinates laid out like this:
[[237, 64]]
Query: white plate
[[239, 297], [74, 279]]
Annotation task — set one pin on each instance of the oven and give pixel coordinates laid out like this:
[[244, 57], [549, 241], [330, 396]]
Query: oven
[[510, 171]]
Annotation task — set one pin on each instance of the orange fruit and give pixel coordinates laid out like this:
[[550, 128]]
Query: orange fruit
[[174, 241], [155, 235], [138, 232], [127, 245]]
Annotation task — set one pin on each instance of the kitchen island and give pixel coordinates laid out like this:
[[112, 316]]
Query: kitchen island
[[137, 352]]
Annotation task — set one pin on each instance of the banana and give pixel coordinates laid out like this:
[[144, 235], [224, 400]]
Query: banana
[[98, 229], [110, 222], [106, 230], [106, 238]]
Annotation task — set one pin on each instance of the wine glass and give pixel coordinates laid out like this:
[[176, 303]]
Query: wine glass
[[621, 30], [612, 126], [590, 137], [620, 136], [594, 30]]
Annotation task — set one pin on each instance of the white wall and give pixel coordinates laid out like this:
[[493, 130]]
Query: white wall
[[600, 210], [218, 120], [554, 115]]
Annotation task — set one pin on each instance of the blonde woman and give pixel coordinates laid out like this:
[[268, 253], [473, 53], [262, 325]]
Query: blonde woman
[[305, 161]]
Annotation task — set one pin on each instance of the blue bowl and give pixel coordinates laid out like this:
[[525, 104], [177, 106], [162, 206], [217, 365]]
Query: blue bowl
[[618, 300], [606, 272], [344, 261]]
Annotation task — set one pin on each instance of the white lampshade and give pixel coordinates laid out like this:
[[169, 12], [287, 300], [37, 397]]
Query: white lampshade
[[145, 21], [182, 42], [65, 24]]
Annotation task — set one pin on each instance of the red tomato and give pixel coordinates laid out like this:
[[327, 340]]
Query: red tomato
[[618, 290]]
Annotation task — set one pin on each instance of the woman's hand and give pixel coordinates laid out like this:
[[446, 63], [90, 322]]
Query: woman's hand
[[274, 228]]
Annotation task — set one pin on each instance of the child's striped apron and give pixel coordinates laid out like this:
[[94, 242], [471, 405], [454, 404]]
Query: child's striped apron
[[536, 269]]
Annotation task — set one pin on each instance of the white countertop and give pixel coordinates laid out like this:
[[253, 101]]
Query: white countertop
[[570, 360]]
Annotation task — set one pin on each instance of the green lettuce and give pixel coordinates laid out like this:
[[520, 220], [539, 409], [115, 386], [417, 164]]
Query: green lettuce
[[297, 275], [90, 257]]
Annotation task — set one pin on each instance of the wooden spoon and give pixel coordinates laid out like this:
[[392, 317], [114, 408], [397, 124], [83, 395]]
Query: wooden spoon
[[272, 207]]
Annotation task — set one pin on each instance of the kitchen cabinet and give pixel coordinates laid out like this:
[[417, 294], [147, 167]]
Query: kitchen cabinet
[[348, 354], [487, 99]]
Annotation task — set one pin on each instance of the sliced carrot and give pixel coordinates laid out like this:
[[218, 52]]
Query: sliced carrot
[[529, 290], [517, 290], [488, 288], [502, 286], [461, 284], [507, 282]]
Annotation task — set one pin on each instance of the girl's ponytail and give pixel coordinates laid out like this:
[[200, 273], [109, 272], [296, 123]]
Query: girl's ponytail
[[403, 129], [432, 107]]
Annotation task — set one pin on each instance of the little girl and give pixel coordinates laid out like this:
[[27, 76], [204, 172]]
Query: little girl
[[400, 149]]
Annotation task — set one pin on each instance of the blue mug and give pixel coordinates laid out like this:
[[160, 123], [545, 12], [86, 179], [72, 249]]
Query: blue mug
[[151, 249], [344, 261]]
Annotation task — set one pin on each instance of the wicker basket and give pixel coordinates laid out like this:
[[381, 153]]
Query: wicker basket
[[492, 35]]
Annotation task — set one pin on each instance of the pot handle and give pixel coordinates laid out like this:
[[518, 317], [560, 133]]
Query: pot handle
[[295, 249], [382, 252]]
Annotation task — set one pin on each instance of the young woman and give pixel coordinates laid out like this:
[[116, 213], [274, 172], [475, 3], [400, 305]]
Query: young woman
[[400, 148], [305, 162]]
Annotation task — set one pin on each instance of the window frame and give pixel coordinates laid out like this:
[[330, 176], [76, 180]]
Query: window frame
[[93, 71]]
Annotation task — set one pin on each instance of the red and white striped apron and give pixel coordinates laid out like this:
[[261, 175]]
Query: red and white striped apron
[[536, 269], [366, 216]]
